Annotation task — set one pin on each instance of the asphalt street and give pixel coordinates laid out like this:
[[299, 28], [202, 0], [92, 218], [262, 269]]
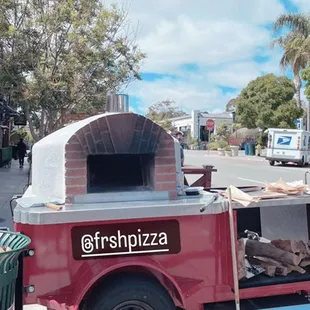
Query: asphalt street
[[242, 170]]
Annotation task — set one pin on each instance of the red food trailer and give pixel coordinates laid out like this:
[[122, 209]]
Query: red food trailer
[[124, 238]]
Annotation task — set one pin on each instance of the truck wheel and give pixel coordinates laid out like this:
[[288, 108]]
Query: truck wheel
[[271, 162], [131, 293], [302, 163]]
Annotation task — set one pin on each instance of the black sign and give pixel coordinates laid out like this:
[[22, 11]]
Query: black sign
[[126, 239], [20, 120]]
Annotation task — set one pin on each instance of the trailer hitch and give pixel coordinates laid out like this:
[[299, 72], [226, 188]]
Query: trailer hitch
[[214, 198]]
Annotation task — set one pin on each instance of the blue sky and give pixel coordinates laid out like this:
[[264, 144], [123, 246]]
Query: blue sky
[[202, 53]]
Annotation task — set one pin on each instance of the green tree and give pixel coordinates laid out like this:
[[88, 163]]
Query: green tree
[[268, 102], [223, 131], [295, 44], [63, 56], [162, 111]]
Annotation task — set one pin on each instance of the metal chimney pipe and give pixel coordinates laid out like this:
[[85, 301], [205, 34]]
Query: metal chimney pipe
[[117, 103]]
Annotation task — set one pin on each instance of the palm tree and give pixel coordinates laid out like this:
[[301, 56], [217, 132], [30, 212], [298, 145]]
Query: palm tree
[[296, 45]]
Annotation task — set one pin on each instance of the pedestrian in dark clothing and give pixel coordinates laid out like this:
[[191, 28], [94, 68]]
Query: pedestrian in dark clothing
[[21, 151], [179, 137]]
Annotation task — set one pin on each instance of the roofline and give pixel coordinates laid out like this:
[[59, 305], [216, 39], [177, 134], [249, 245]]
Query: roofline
[[180, 117]]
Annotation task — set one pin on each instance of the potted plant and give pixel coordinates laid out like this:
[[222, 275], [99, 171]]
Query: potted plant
[[221, 151], [228, 151], [221, 147]]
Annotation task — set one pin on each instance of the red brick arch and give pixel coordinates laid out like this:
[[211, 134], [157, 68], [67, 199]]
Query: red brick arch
[[124, 133]]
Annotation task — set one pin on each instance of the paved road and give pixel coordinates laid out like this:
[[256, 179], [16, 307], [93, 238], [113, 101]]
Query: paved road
[[241, 171]]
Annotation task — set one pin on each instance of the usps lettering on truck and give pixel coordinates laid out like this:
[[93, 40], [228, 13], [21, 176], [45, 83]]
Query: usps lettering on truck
[[123, 239], [284, 140]]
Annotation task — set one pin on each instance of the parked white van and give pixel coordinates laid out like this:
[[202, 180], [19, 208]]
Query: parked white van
[[288, 145]]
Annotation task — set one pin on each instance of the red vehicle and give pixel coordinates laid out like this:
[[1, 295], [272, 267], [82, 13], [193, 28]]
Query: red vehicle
[[124, 239]]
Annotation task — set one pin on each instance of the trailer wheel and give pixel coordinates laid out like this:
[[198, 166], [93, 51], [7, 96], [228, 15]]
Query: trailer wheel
[[131, 293], [271, 162]]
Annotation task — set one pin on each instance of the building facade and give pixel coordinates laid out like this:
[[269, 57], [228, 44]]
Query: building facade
[[195, 123], [7, 114]]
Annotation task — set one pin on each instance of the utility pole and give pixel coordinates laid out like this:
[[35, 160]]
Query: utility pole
[[308, 116], [198, 121]]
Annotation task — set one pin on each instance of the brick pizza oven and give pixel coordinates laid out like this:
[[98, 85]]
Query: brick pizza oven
[[107, 153]]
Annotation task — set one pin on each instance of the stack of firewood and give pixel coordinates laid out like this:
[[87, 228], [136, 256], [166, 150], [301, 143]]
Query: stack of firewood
[[277, 257]]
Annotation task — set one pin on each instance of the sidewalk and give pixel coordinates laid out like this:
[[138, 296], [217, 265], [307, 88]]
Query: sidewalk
[[12, 181]]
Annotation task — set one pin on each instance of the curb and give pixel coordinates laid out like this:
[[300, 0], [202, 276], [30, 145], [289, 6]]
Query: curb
[[254, 158]]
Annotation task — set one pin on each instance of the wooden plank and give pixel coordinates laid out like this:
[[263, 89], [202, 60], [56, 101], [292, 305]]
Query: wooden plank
[[269, 195]]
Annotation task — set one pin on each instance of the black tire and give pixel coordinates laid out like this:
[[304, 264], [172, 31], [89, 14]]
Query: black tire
[[283, 163], [131, 292], [271, 162], [302, 163]]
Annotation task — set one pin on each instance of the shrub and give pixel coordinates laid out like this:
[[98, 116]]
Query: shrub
[[222, 144], [213, 146]]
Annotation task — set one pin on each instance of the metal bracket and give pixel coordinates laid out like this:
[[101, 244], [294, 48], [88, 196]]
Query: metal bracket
[[29, 289], [11, 201], [29, 253]]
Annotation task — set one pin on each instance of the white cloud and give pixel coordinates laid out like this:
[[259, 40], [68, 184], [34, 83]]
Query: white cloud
[[221, 37], [185, 41], [239, 74], [302, 5], [235, 75], [188, 96]]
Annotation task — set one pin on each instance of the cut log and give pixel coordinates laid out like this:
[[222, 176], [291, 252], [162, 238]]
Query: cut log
[[256, 248], [307, 248], [241, 259], [280, 269], [295, 268], [269, 261], [304, 248], [270, 270], [290, 246], [305, 262]]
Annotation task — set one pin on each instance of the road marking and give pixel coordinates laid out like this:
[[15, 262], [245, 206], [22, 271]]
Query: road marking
[[253, 181]]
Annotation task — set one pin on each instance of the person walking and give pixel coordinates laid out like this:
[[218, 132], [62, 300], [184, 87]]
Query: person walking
[[179, 136], [21, 151]]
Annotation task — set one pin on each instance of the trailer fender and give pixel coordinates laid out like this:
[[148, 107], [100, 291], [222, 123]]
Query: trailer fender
[[166, 280]]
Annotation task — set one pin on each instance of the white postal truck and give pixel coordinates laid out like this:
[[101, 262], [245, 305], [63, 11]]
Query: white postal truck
[[288, 145]]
